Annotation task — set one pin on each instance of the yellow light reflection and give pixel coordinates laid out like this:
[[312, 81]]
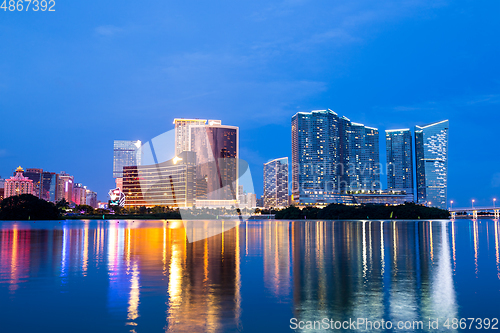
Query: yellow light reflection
[[133, 302], [431, 241], [454, 246], [14, 258], [497, 249], [85, 259], [476, 246], [382, 249]]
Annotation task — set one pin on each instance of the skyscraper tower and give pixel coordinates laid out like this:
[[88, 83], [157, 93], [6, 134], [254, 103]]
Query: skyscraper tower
[[399, 160], [44, 183], [315, 156], [216, 148], [125, 154], [276, 183], [371, 157], [361, 156], [182, 138], [332, 155], [431, 145]]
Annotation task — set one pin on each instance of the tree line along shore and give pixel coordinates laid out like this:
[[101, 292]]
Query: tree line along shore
[[29, 207]]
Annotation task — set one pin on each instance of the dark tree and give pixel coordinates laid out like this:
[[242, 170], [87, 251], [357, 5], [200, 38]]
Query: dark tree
[[27, 207]]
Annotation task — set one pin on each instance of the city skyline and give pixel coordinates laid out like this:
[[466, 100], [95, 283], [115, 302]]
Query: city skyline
[[354, 162], [389, 65]]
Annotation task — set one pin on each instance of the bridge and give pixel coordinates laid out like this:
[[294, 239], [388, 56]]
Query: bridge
[[475, 210]]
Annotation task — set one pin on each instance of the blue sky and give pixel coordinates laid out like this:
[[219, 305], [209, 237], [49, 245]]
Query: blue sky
[[73, 80]]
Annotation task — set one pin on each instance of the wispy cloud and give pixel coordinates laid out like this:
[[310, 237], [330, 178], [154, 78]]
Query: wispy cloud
[[348, 21], [108, 30], [495, 181], [450, 103]]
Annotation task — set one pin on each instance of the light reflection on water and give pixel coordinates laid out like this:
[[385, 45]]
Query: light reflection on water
[[136, 276]]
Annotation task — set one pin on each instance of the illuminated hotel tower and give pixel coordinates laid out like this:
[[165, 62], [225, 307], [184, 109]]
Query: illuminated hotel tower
[[276, 183], [18, 184], [216, 148], [431, 145], [360, 156], [399, 160], [65, 187], [331, 155], [315, 150], [182, 136], [125, 154]]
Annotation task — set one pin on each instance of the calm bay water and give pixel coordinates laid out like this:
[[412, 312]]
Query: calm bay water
[[144, 276]]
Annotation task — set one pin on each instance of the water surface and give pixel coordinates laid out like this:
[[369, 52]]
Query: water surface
[[144, 276]]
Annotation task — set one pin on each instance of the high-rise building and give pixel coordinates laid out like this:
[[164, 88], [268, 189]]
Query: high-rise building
[[359, 152], [371, 157], [276, 183], [216, 148], [44, 183], [399, 160], [49, 186], [315, 156], [79, 194], [91, 199], [431, 146], [171, 183], [125, 154], [65, 187], [330, 156], [18, 184], [35, 175], [182, 136]]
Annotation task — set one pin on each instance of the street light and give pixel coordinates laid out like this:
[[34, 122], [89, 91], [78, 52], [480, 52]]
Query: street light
[[494, 201], [473, 203], [451, 202]]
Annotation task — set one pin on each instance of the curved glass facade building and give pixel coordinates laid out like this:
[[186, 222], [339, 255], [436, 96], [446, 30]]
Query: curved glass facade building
[[125, 154], [170, 183], [431, 146], [276, 183], [216, 148]]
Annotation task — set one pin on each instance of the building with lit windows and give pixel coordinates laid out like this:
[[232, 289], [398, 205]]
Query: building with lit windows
[[44, 183], [182, 135], [91, 198], [315, 155], [125, 153], [431, 146], [216, 148], [171, 183], [18, 184], [79, 194], [359, 154], [65, 187], [246, 200], [399, 154], [276, 183], [332, 157], [36, 176]]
